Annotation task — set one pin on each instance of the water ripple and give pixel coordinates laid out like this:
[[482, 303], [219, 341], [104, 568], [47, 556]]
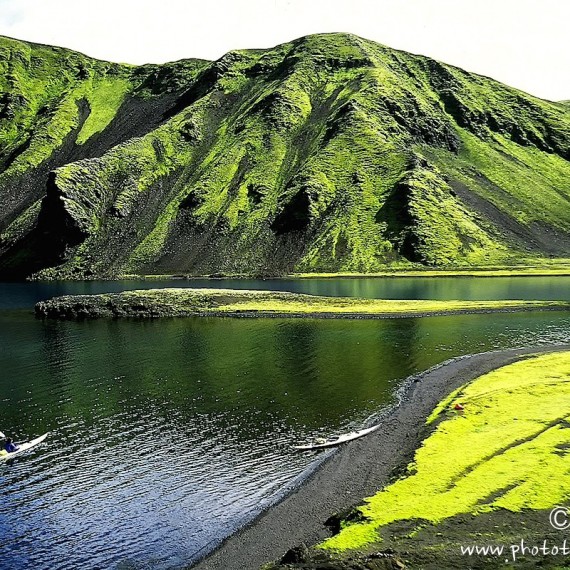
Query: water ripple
[[166, 436]]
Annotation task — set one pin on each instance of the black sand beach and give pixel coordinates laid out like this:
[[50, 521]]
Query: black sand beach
[[355, 470]]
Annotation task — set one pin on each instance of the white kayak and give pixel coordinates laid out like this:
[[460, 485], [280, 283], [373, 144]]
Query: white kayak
[[333, 442], [22, 447]]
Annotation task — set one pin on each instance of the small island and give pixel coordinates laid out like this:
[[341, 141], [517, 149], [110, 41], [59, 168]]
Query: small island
[[155, 303]]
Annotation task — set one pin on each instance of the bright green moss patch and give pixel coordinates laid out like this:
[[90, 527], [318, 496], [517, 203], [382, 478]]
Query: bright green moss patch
[[40, 90], [508, 176], [508, 449], [307, 304], [104, 100]]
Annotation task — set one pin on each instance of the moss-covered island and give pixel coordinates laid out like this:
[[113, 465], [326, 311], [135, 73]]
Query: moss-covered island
[[152, 303], [329, 153], [495, 461]]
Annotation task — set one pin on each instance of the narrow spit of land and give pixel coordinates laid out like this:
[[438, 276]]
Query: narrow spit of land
[[155, 303]]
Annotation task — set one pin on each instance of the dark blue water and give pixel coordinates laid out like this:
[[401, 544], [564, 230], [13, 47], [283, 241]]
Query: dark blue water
[[167, 435]]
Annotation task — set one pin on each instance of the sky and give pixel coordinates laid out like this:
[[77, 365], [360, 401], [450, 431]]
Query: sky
[[523, 43]]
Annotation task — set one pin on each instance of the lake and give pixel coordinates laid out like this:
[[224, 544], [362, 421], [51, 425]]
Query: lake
[[167, 435]]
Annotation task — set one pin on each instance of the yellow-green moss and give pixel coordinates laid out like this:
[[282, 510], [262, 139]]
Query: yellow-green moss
[[104, 98], [308, 304], [507, 449]]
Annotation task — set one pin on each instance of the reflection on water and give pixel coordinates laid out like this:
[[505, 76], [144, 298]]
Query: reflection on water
[[14, 295], [166, 434]]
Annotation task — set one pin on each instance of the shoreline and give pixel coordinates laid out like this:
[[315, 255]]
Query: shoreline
[[339, 479], [440, 273], [561, 269], [372, 316]]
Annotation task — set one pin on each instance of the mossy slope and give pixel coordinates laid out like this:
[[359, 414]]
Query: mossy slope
[[506, 452], [329, 153], [58, 106]]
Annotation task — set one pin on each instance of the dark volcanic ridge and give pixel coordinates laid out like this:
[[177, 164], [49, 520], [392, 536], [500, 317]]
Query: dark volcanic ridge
[[327, 153]]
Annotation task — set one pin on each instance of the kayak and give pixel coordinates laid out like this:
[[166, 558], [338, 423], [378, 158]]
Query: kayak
[[333, 442], [22, 447]]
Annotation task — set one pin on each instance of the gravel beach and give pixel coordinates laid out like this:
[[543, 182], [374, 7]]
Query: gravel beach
[[355, 470]]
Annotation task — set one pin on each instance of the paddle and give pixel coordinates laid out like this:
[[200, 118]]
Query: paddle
[[2, 436]]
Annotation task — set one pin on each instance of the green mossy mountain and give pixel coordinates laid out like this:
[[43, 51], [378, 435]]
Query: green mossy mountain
[[328, 153]]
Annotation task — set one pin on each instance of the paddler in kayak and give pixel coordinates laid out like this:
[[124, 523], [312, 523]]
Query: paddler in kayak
[[10, 446]]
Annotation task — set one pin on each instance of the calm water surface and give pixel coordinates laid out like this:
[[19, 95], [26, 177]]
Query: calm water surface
[[166, 435], [473, 288]]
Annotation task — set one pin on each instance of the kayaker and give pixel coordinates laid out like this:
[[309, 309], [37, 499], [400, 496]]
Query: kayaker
[[10, 446]]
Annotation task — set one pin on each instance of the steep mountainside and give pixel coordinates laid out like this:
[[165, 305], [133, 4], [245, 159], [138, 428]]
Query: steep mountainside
[[324, 154]]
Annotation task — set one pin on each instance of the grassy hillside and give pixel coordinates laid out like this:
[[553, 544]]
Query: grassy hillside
[[329, 153]]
